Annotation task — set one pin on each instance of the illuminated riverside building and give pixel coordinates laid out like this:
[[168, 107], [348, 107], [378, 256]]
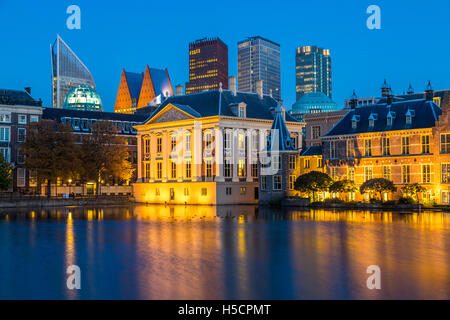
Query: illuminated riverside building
[[17, 110], [68, 71], [208, 65], [312, 71], [259, 59], [140, 90], [203, 148], [83, 98], [406, 141]]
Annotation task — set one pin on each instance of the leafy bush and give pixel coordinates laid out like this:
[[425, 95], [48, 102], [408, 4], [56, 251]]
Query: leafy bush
[[406, 200], [373, 200]]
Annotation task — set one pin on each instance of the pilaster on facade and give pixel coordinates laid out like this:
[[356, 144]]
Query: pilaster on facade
[[218, 140]]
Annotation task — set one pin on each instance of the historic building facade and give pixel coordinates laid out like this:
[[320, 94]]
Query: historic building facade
[[17, 110], [403, 141], [203, 148]]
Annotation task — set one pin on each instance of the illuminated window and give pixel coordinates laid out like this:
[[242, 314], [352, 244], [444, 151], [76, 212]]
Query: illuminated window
[[445, 143], [333, 150], [351, 148], [386, 145], [188, 143], [159, 170], [292, 162], [426, 144], [405, 145], [227, 140], [315, 132], [241, 170], [334, 173], [208, 141], [188, 169], [263, 182], [368, 147], [173, 143], [173, 171], [306, 165], [291, 182], [426, 173], [406, 173], [368, 173], [445, 173], [208, 168], [351, 173], [319, 163], [159, 144], [387, 172], [204, 191], [147, 146], [254, 170], [277, 182], [147, 170], [241, 141], [243, 190]]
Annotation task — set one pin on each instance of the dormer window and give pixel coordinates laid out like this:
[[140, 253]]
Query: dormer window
[[355, 120], [372, 118], [390, 118], [409, 115], [241, 112]]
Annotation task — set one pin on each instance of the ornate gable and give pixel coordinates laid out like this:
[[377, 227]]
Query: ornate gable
[[169, 114]]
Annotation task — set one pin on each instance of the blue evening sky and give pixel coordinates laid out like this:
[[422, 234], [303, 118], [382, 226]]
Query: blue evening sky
[[412, 46]]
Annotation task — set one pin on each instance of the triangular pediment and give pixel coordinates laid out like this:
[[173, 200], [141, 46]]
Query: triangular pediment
[[170, 113]]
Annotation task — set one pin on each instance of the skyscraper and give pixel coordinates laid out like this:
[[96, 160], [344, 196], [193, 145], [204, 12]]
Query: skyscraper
[[68, 72], [312, 71], [259, 59], [208, 65]]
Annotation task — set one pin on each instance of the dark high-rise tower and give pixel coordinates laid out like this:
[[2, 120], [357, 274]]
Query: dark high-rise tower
[[312, 71], [208, 65], [259, 59]]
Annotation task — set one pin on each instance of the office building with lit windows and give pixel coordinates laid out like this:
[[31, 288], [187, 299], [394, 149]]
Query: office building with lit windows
[[312, 71], [203, 148], [68, 72], [259, 59], [208, 65]]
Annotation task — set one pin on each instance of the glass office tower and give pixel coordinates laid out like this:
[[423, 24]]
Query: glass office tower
[[259, 59], [68, 72], [312, 71]]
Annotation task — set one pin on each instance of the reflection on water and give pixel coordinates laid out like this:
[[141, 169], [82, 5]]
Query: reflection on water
[[229, 252]]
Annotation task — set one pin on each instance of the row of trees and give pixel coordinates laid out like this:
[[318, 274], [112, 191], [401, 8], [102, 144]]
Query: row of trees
[[5, 173], [51, 151], [314, 182]]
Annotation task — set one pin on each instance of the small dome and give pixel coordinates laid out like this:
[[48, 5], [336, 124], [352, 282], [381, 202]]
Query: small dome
[[314, 102], [84, 98]]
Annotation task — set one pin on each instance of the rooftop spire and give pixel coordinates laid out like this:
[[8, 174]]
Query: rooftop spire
[[279, 139]]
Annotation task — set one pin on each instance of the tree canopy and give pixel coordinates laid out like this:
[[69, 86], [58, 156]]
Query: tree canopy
[[343, 186], [5, 173], [313, 182], [413, 190], [377, 185]]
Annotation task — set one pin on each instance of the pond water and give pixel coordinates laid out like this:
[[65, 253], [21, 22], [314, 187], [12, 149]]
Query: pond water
[[229, 252]]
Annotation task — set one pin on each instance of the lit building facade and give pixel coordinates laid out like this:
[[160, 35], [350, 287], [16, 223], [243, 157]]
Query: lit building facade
[[140, 90], [80, 122], [259, 59], [203, 148], [68, 71], [312, 71], [17, 110], [83, 98], [403, 141], [208, 65]]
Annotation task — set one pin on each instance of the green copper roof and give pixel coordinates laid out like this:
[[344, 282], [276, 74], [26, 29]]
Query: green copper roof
[[314, 102], [84, 98]]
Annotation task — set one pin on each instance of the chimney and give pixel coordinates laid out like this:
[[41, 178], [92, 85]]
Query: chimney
[[179, 90], [353, 100], [385, 89], [28, 89], [259, 88], [232, 84]]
